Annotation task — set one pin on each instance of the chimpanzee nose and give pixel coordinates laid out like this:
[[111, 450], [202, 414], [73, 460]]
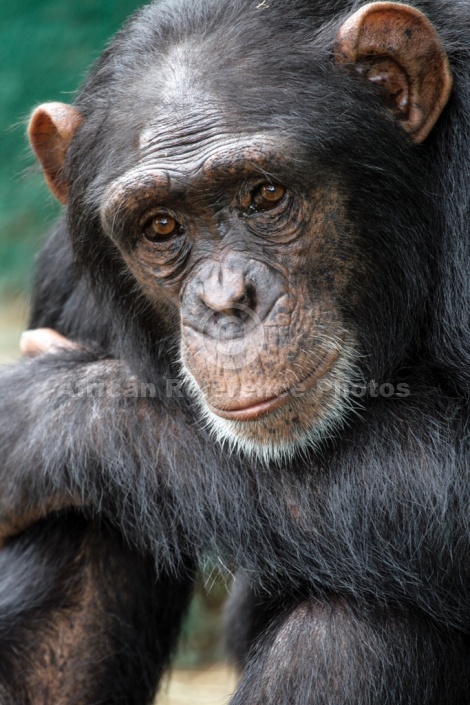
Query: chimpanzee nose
[[228, 299], [229, 292]]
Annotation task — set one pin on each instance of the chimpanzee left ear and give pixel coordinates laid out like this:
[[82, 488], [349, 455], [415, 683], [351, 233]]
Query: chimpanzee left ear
[[396, 46], [50, 131]]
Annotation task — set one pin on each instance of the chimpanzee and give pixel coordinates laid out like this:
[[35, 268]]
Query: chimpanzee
[[262, 277]]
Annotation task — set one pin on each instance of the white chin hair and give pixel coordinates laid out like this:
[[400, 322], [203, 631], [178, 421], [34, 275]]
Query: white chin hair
[[274, 437]]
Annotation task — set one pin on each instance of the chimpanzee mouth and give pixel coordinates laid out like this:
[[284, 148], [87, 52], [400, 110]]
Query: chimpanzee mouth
[[252, 411]]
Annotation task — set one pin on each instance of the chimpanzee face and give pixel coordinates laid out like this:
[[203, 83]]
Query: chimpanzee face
[[253, 257]]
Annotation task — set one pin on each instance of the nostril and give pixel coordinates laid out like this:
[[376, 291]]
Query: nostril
[[250, 296], [244, 306], [240, 306], [242, 300]]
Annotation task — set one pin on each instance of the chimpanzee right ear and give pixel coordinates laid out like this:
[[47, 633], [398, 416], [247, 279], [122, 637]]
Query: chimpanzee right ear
[[51, 129]]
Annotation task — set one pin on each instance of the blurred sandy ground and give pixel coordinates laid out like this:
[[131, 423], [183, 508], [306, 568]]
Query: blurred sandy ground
[[209, 686]]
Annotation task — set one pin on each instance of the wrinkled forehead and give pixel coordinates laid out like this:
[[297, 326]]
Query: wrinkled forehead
[[185, 119], [195, 158]]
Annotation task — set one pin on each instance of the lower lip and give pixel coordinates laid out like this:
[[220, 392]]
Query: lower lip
[[249, 413]]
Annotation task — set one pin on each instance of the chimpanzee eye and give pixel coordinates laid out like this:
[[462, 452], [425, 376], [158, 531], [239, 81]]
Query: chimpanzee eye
[[162, 226], [267, 196]]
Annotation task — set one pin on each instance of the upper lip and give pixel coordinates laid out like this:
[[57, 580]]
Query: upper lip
[[240, 412]]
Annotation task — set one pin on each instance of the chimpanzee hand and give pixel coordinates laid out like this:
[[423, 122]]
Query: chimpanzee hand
[[44, 340]]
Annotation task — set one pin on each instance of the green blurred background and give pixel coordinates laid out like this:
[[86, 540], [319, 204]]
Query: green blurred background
[[46, 47]]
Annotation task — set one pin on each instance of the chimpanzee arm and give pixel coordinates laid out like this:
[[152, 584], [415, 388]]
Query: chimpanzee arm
[[79, 431], [329, 650]]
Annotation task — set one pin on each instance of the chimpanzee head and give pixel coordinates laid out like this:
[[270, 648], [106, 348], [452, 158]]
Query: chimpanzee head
[[254, 166]]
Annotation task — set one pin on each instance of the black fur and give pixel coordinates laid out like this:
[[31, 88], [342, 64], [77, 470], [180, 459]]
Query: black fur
[[358, 555], [74, 598]]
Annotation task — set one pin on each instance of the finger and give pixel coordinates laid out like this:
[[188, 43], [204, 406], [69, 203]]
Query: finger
[[44, 340]]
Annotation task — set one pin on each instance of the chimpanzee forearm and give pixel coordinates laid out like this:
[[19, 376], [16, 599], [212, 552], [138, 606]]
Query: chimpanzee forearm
[[79, 431]]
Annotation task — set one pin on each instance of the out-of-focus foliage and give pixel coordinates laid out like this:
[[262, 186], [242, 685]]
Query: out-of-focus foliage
[[45, 49], [201, 638]]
